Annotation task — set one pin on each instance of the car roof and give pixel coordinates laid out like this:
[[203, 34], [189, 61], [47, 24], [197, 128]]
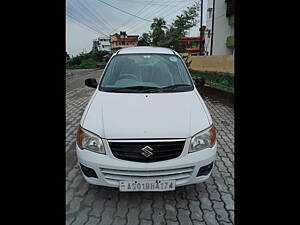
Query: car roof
[[146, 49]]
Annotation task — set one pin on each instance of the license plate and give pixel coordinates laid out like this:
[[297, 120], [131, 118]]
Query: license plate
[[156, 185]]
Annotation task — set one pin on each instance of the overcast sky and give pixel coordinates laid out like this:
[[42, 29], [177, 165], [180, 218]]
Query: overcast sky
[[89, 19]]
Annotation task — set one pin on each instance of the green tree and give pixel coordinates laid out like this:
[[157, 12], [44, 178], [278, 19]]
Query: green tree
[[144, 40], [75, 61], [158, 28], [107, 57], [67, 57], [187, 61], [97, 55], [179, 28]]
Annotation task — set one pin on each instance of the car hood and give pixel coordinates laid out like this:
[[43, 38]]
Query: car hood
[[147, 115]]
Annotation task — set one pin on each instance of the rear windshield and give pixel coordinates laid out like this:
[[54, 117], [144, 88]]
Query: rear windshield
[[146, 73]]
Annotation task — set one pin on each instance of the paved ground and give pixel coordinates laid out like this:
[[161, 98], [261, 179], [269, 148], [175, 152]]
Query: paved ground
[[211, 202], [75, 78]]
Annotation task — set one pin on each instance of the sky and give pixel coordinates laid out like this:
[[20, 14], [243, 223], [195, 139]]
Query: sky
[[89, 19]]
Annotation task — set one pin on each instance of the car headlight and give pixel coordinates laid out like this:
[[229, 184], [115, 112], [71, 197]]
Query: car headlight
[[89, 141], [204, 139]]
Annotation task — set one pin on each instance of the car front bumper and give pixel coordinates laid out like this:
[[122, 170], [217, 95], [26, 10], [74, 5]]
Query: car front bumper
[[110, 170]]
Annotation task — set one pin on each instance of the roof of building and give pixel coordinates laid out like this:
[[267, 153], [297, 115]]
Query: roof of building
[[130, 39], [146, 49], [189, 39], [193, 49]]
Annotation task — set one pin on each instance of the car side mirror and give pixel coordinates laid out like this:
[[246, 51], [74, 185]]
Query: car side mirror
[[91, 82], [199, 82]]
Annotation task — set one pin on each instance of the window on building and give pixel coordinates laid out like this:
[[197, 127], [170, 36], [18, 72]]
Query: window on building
[[229, 7], [209, 12]]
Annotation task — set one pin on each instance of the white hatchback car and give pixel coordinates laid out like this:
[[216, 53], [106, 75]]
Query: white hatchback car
[[146, 127]]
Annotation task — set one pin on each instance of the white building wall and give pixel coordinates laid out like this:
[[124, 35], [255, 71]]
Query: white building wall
[[104, 44], [222, 29]]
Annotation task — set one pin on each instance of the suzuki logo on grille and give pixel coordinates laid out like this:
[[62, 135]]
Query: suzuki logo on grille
[[147, 151]]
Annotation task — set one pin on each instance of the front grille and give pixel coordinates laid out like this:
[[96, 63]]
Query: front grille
[[132, 151], [180, 175]]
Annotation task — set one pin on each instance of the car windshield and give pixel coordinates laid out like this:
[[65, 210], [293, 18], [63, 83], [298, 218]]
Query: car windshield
[[146, 73]]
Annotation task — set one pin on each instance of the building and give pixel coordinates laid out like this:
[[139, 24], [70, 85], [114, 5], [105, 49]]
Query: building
[[221, 41], [95, 45], [191, 45], [123, 40], [104, 44]]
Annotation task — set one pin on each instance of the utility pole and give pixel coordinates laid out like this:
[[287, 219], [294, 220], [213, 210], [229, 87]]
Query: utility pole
[[212, 28], [201, 13], [201, 19]]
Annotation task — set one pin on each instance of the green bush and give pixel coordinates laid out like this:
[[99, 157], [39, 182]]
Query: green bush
[[101, 65], [215, 79], [91, 60]]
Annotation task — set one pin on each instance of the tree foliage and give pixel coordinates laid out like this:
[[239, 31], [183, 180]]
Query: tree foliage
[[167, 36], [67, 57], [144, 40], [157, 33], [187, 61], [88, 60]]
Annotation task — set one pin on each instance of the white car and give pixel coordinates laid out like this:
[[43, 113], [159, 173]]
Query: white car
[[146, 127]]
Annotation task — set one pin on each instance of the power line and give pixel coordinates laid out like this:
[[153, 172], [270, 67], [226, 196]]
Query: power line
[[138, 23], [98, 15], [72, 17], [121, 10], [180, 8], [149, 2], [91, 16], [149, 11], [84, 11], [83, 24], [104, 20], [78, 14], [131, 17], [69, 14], [156, 14], [79, 20], [165, 10]]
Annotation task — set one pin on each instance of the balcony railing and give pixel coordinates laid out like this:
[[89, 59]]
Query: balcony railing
[[231, 20], [230, 41]]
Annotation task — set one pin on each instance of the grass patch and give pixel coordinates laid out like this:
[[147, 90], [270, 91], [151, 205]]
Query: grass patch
[[87, 64], [218, 80], [91, 60]]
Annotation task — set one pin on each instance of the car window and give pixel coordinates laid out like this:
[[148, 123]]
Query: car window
[[159, 71]]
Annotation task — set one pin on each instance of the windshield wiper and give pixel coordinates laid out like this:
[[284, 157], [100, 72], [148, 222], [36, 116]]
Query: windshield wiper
[[174, 86], [146, 89], [141, 88]]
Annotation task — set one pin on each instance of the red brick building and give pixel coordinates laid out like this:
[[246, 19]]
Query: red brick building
[[192, 44]]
